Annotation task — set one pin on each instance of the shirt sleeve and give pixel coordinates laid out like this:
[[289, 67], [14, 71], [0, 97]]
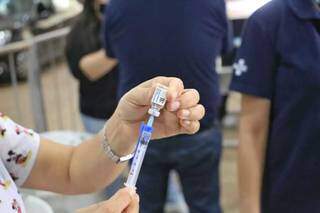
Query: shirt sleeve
[[74, 52], [254, 69], [18, 149], [73, 63], [227, 45]]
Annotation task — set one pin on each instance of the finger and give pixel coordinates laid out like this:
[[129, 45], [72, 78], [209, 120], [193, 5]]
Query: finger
[[139, 96], [134, 205], [192, 114], [189, 98], [174, 85], [142, 94], [190, 127], [175, 89], [120, 201], [173, 106]]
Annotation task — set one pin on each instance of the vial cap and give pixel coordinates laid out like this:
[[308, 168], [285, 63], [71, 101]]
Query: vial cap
[[154, 112]]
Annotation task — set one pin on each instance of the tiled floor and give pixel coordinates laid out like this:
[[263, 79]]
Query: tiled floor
[[60, 92], [229, 181]]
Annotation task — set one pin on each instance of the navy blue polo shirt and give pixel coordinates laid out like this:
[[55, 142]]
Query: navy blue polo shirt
[[168, 38], [279, 61]]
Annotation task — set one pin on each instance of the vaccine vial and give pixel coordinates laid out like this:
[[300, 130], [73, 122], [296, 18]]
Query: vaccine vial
[[158, 100]]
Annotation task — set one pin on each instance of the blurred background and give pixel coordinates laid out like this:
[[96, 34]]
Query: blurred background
[[38, 91]]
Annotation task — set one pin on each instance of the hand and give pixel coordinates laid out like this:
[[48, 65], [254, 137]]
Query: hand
[[181, 115], [124, 201]]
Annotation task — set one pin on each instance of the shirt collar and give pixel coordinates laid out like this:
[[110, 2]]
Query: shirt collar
[[304, 9]]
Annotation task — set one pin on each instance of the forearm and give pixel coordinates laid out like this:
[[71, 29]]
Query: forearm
[[253, 133], [90, 168], [97, 64], [250, 170], [90, 165], [77, 170]]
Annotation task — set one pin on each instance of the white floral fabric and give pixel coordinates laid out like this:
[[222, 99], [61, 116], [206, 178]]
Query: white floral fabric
[[18, 151]]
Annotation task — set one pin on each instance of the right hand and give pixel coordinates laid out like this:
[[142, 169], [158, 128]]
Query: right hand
[[124, 201], [181, 115]]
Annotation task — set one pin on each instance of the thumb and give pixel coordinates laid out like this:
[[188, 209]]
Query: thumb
[[139, 96], [120, 201], [134, 205]]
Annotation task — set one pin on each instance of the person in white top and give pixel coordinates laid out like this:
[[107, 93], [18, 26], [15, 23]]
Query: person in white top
[[26, 160]]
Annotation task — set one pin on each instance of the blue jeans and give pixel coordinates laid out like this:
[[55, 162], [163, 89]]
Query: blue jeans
[[94, 125], [196, 159]]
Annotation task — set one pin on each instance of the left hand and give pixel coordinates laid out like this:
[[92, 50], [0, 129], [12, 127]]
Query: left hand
[[124, 201], [181, 115]]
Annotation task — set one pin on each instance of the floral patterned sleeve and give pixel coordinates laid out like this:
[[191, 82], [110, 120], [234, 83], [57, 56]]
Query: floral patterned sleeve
[[18, 149]]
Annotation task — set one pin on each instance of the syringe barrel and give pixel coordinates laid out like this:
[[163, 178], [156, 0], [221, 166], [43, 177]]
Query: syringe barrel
[[143, 141]]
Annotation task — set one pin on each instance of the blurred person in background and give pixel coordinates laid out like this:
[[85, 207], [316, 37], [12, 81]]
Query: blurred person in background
[[182, 39], [97, 74], [30, 161], [278, 74]]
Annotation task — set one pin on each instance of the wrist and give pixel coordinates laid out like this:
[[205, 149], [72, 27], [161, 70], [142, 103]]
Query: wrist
[[113, 133]]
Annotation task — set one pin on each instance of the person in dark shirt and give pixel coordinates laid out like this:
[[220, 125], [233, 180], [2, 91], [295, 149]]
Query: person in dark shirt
[[182, 39], [278, 74], [97, 74]]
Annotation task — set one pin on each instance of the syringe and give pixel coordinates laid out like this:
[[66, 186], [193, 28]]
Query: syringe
[[157, 103]]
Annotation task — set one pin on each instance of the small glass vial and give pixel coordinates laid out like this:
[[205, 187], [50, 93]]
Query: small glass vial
[[158, 100]]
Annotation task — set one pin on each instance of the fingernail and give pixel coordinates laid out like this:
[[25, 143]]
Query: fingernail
[[186, 123], [175, 106], [174, 95], [185, 113]]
